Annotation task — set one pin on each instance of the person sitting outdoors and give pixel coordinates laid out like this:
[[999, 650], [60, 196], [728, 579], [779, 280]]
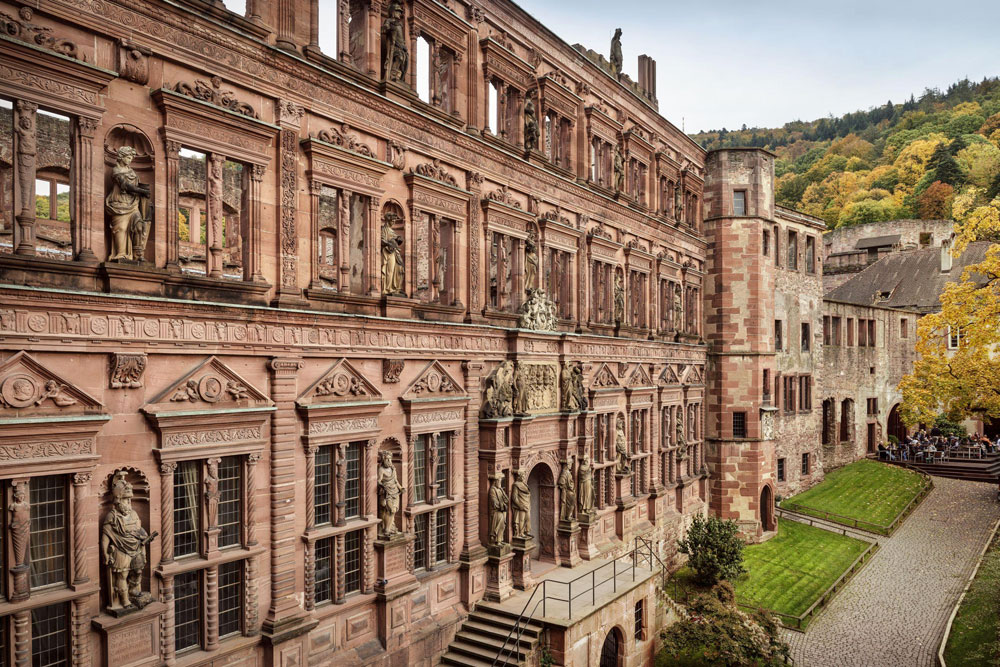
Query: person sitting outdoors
[[883, 453]]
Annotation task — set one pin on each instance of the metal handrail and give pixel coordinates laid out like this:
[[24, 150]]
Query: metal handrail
[[518, 628]]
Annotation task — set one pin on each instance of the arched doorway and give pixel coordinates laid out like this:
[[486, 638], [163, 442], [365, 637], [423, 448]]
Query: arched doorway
[[611, 651], [543, 513], [766, 509], [896, 426]]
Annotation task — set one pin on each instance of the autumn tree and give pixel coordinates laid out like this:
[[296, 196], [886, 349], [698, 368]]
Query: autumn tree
[[935, 202], [963, 381]]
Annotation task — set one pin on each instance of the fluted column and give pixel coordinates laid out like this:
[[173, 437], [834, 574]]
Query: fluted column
[[26, 152], [374, 40], [314, 23], [81, 488], [82, 174], [372, 245], [167, 512], [315, 250], [286, 25], [343, 239], [173, 149]]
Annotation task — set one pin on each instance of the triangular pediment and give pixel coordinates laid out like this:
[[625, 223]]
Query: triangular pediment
[[341, 383], [670, 375], [30, 389], [434, 381], [211, 385], [692, 375], [639, 377], [605, 378]]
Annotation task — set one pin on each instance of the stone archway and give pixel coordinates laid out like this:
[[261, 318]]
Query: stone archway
[[543, 511], [895, 424], [766, 509], [611, 652]]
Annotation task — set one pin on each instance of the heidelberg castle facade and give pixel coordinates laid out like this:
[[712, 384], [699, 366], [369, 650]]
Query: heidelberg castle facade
[[240, 271]]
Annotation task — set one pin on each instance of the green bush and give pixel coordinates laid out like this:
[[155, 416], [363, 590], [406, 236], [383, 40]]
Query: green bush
[[948, 427], [718, 633], [714, 548]]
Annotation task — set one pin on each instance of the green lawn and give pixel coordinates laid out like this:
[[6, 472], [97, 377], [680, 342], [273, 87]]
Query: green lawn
[[865, 490], [791, 570], [973, 638]]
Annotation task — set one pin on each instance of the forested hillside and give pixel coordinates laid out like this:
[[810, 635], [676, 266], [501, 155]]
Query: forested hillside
[[936, 156]]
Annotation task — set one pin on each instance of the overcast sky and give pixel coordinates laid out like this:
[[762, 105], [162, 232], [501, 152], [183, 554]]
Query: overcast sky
[[722, 63]]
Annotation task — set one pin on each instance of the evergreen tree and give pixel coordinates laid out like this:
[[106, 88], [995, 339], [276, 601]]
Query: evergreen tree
[[944, 167]]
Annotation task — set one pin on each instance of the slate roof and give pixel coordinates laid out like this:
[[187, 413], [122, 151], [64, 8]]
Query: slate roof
[[910, 279], [877, 241]]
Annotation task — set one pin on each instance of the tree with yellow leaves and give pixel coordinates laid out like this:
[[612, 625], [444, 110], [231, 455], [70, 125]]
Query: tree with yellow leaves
[[964, 381]]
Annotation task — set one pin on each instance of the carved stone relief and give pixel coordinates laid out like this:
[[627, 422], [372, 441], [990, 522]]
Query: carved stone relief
[[211, 91], [127, 370], [391, 368]]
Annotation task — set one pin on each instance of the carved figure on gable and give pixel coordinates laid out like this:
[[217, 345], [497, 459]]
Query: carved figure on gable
[[530, 265], [498, 393], [619, 169], [497, 503], [388, 493], [567, 491], [616, 52], [397, 58], [520, 506], [530, 125], [619, 298], [621, 448], [392, 256], [586, 485], [127, 206], [123, 545]]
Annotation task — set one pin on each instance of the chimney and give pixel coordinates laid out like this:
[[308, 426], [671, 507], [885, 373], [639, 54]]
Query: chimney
[[946, 255]]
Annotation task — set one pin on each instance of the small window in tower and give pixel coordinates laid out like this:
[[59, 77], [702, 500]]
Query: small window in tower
[[740, 202]]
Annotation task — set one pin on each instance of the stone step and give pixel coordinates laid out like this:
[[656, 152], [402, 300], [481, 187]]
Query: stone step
[[464, 647], [500, 633], [490, 616], [493, 645], [460, 660]]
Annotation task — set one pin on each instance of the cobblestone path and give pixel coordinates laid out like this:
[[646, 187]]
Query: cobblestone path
[[895, 610]]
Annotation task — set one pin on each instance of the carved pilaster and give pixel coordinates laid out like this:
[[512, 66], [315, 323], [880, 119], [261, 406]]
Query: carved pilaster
[[250, 473], [20, 535], [368, 479], [309, 576], [338, 543], [472, 371], [289, 207], [22, 639], [81, 486], [284, 434], [432, 464], [311, 486], [368, 556], [475, 238], [82, 188], [343, 33], [374, 38], [340, 467], [315, 189], [343, 238], [167, 512], [81, 628], [25, 152], [211, 608], [213, 206], [255, 221], [252, 604], [372, 245], [173, 149], [167, 621]]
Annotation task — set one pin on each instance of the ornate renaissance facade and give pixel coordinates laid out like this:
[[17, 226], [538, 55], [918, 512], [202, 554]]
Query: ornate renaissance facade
[[327, 346]]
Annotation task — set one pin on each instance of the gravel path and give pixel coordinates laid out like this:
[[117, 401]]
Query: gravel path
[[895, 610]]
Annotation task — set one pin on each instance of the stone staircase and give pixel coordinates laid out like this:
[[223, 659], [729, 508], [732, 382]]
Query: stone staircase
[[986, 469], [482, 636]]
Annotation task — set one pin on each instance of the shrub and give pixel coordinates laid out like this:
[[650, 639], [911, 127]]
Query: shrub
[[718, 633], [714, 548], [948, 427]]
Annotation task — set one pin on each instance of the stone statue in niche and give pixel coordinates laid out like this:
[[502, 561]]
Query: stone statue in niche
[[678, 308], [392, 256], [123, 545], [388, 494], [586, 485], [520, 507], [681, 441], [498, 394], [497, 505], [567, 491], [616, 52], [128, 208], [571, 379], [530, 265], [619, 169], [621, 449], [521, 390], [538, 312], [619, 299], [397, 58], [530, 126]]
